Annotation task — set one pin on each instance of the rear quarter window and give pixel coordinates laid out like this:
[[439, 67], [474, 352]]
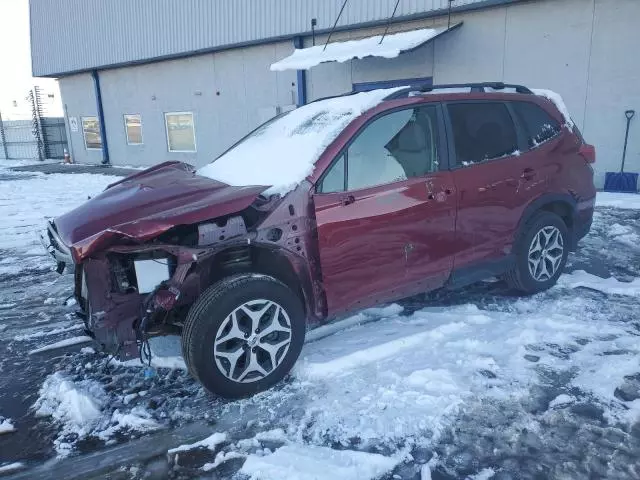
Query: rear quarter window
[[539, 127]]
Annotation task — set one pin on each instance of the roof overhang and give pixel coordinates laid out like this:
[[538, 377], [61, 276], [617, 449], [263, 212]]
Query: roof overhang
[[390, 46]]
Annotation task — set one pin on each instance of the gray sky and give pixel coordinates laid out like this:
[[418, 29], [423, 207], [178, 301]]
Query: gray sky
[[15, 55]]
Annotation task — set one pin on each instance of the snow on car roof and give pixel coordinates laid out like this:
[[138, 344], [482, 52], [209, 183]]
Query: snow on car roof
[[282, 152], [391, 47], [556, 98]]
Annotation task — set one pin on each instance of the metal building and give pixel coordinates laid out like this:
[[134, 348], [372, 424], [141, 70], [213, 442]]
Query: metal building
[[145, 82]]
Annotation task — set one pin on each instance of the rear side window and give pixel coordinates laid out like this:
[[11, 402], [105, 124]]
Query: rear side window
[[482, 131], [538, 125]]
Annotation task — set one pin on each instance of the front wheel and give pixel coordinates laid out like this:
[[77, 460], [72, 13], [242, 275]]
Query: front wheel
[[541, 254], [243, 335]]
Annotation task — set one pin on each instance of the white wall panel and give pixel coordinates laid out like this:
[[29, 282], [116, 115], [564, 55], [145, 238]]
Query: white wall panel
[[73, 35]]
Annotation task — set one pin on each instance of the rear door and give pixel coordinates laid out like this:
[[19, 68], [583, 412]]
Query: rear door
[[385, 211], [491, 177], [544, 154]]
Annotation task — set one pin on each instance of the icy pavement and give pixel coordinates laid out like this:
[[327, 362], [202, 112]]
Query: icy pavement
[[472, 384]]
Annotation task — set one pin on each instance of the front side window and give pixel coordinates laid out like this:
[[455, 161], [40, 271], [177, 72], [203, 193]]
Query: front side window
[[181, 136], [538, 125], [133, 129], [91, 133], [482, 131], [394, 147]]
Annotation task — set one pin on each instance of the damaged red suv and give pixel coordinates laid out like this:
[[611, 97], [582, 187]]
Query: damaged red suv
[[341, 204]]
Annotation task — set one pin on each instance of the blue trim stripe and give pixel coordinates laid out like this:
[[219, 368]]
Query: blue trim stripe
[[103, 130], [301, 76]]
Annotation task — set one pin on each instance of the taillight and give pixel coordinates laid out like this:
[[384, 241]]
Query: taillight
[[588, 152]]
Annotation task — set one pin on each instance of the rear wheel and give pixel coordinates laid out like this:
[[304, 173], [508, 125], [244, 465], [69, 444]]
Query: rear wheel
[[541, 254], [243, 335]]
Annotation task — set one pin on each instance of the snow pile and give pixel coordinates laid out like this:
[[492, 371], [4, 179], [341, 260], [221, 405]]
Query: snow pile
[[67, 342], [46, 333], [138, 419], [81, 410], [610, 285], [618, 200], [6, 426], [558, 102], [624, 234], [562, 400], [306, 462], [392, 46], [11, 467], [282, 153], [75, 406], [211, 442]]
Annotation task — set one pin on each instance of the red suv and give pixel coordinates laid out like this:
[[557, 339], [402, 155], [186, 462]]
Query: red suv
[[362, 199]]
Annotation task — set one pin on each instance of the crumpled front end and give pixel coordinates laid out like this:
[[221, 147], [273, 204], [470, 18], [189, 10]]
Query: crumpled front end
[[128, 294], [138, 279]]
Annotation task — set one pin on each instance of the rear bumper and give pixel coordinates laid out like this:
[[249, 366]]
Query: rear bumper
[[581, 229], [582, 221]]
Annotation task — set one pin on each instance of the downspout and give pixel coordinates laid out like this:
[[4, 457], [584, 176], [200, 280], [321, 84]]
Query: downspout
[[103, 130], [301, 76]]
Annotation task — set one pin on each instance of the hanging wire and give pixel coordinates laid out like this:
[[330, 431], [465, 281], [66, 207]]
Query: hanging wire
[[389, 22], [344, 4]]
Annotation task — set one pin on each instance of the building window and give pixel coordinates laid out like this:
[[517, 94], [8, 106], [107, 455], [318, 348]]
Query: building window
[[91, 133], [181, 134], [133, 129]]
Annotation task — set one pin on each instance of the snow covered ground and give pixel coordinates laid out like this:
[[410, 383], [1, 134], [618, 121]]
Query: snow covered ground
[[471, 384]]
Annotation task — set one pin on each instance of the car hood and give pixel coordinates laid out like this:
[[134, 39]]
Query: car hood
[[146, 204]]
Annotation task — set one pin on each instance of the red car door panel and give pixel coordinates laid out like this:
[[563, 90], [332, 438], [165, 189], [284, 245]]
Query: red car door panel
[[491, 199], [387, 241]]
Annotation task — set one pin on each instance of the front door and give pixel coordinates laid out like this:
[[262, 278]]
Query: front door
[[385, 212]]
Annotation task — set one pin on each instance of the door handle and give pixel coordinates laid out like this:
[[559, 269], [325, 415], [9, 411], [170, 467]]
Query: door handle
[[528, 173], [347, 200]]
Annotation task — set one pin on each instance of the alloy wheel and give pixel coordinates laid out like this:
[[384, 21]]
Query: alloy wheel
[[252, 341], [545, 253]]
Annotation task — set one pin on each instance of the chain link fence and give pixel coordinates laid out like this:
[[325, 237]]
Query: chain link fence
[[42, 137]]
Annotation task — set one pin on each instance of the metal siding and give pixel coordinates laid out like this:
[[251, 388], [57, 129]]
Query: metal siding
[[229, 93], [75, 35]]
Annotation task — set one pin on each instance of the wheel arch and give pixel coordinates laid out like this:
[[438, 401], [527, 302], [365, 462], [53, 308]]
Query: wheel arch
[[285, 266], [562, 204]]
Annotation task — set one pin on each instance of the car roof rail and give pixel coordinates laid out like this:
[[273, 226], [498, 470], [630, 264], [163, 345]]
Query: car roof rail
[[474, 88]]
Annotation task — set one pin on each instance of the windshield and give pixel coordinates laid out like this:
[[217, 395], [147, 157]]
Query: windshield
[[282, 152]]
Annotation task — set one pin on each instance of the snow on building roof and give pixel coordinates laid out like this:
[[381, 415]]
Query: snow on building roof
[[283, 152], [392, 46]]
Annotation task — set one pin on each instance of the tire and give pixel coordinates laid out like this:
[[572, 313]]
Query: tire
[[225, 351], [523, 278]]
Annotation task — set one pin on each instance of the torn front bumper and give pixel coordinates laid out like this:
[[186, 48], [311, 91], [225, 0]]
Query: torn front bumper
[[54, 245]]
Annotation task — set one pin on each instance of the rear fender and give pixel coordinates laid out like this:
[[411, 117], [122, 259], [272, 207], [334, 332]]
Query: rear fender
[[551, 202]]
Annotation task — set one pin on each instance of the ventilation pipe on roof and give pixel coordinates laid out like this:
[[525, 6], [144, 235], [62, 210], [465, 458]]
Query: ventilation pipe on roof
[[103, 130]]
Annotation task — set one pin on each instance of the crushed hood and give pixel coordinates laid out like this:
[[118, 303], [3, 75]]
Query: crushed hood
[[146, 204]]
